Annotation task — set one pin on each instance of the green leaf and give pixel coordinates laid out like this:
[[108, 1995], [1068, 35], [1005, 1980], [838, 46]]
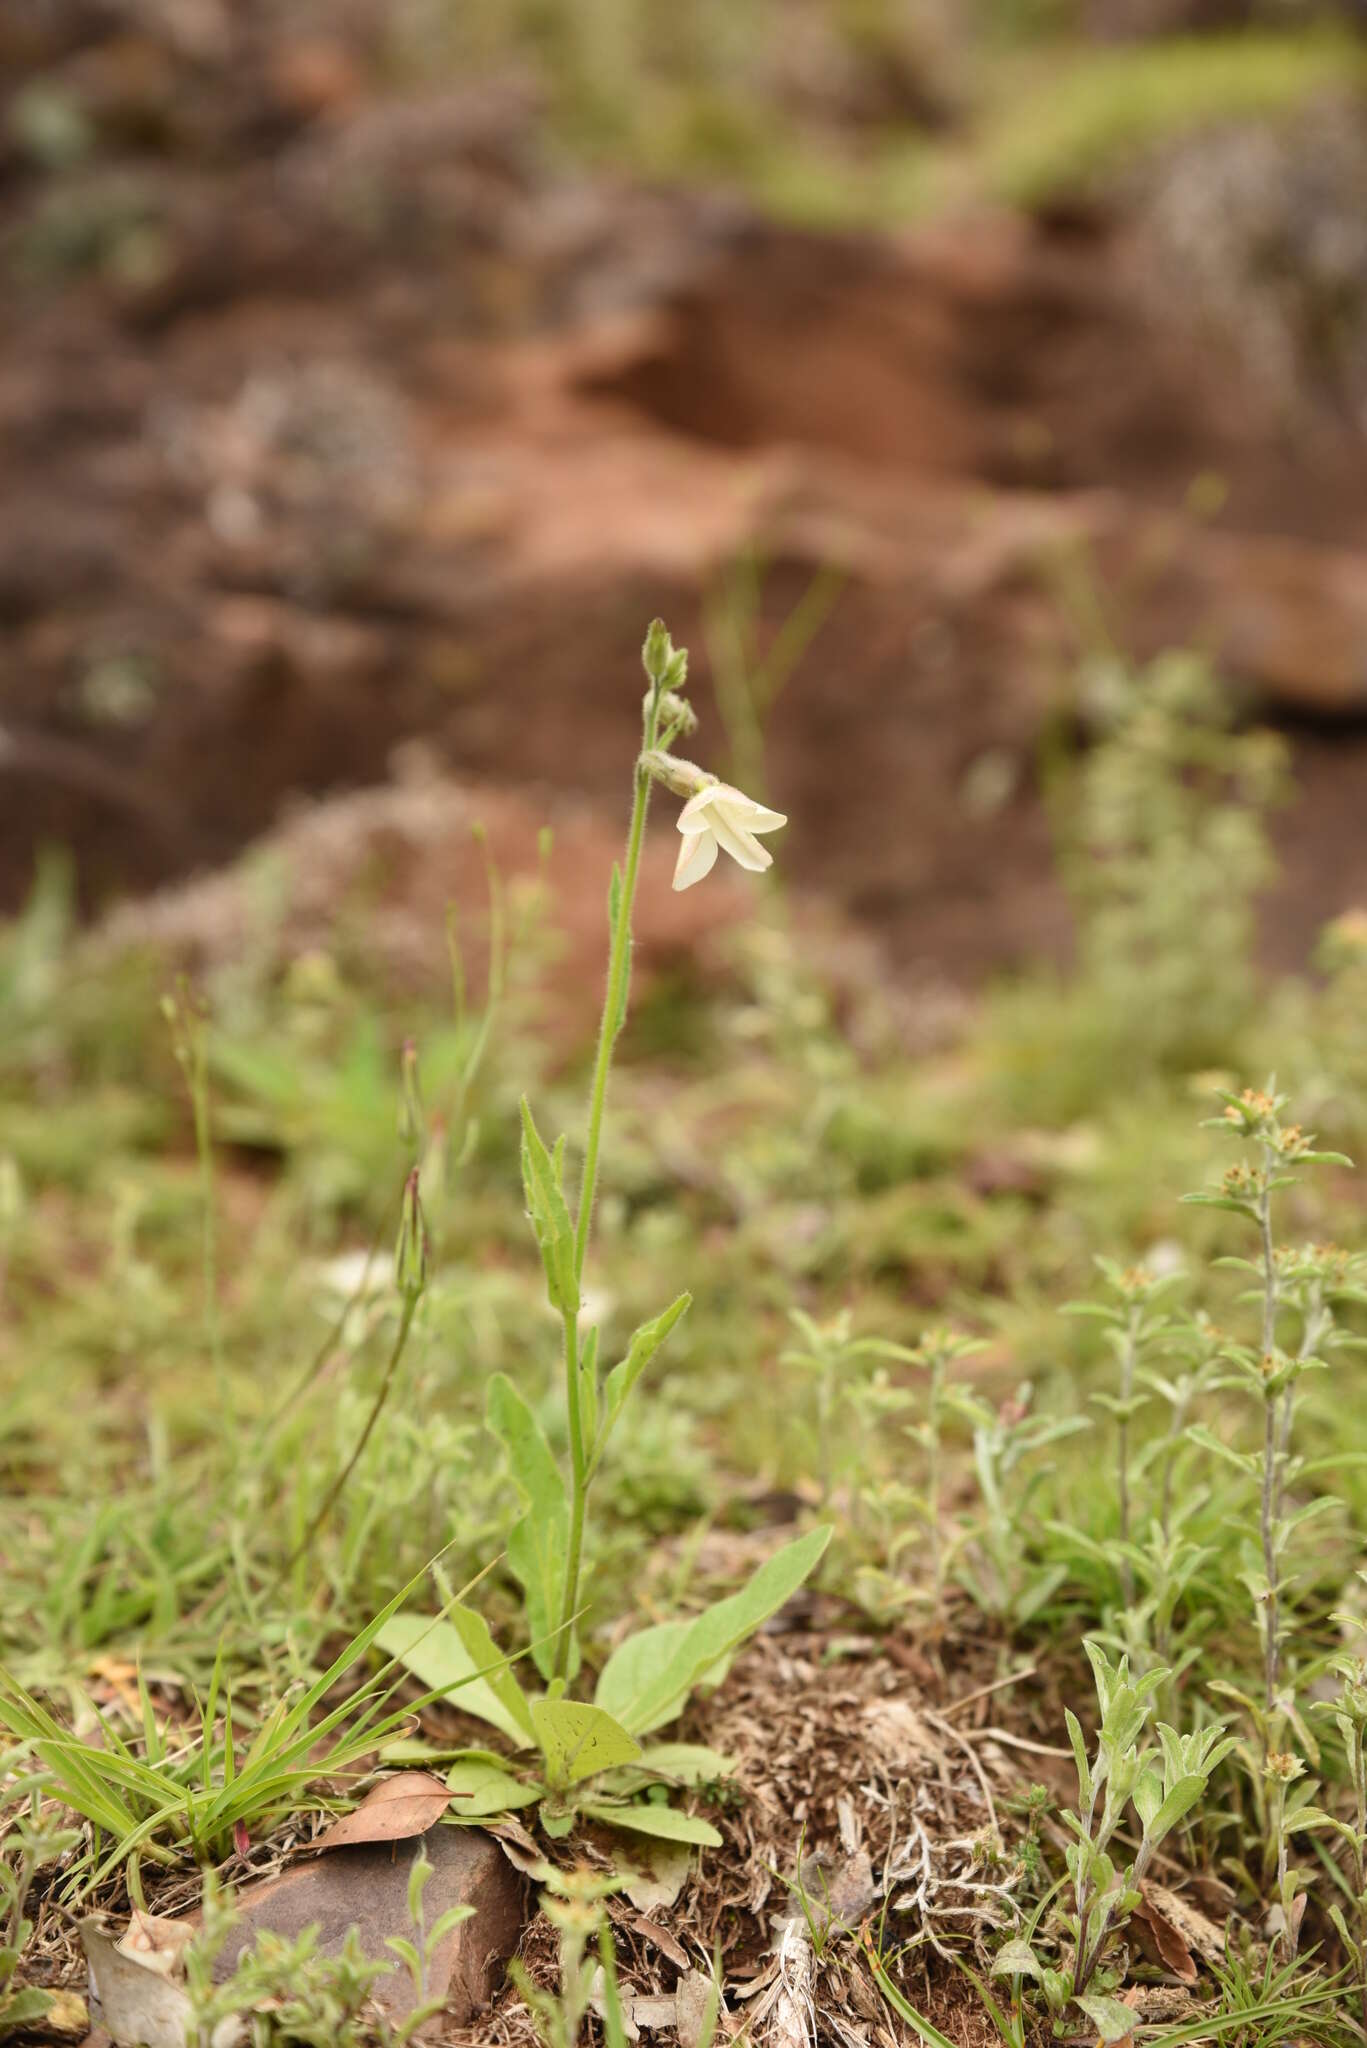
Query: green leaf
[[449, 1661], [1184, 1795], [480, 1787], [24, 2006], [1015, 1959], [1112, 2020], [1084, 1769], [647, 1686], [686, 1763], [578, 1741], [631, 1667], [551, 1221], [663, 1822], [537, 1544], [642, 1348], [1148, 1796]]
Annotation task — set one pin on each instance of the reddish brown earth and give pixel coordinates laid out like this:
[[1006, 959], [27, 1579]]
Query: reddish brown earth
[[387, 431]]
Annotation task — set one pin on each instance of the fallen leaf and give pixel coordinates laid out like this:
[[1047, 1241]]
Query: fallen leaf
[[659, 1874], [695, 2003], [662, 1939], [518, 1846], [1200, 1935], [136, 2004], [407, 1804], [1162, 1941]]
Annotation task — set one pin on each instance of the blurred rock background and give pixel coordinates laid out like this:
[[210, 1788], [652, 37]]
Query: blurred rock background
[[371, 372]]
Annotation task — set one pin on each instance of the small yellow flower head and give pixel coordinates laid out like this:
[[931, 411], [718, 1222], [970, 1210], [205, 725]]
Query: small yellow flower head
[[719, 816]]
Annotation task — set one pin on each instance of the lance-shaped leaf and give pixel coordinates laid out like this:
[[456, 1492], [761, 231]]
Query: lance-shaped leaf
[[542, 1175], [646, 1682], [538, 1542], [645, 1342]]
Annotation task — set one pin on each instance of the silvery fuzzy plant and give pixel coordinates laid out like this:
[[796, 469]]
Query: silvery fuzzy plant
[[1135, 1321], [1128, 1778], [1294, 1294], [1348, 1713], [582, 1759]]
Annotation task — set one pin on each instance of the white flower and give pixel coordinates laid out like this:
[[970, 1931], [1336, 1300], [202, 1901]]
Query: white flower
[[721, 816]]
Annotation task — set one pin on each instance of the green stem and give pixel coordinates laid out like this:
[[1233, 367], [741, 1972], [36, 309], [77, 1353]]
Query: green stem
[[579, 1488], [614, 1010], [619, 962], [333, 1493]]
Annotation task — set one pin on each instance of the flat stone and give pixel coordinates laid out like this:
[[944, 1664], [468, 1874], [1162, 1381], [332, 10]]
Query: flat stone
[[367, 1887]]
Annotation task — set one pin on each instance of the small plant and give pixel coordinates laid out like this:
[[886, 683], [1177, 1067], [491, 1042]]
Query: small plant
[[992, 1557], [282, 1993], [1303, 1284], [938, 1351], [591, 1759], [1160, 1786], [417, 1954], [201, 1790], [31, 1842], [573, 1903], [1135, 1321], [1348, 1712]]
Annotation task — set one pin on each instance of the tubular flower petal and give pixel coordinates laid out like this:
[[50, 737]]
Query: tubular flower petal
[[719, 816]]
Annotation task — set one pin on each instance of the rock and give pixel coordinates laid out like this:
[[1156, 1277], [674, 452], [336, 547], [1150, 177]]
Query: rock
[[367, 1887]]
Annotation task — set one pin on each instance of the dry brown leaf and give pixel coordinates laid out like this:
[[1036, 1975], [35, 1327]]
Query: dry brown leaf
[[1203, 1938], [662, 1939], [397, 1808], [1162, 1941]]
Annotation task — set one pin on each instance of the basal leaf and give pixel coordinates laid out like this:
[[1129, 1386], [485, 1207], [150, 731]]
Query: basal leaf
[[665, 1672], [473, 1631], [686, 1763], [436, 1653], [634, 1664], [663, 1822], [480, 1787], [578, 1741], [1113, 2021]]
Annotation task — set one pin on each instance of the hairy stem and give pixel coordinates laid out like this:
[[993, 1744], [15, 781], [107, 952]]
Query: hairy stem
[[619, 962], [1270, 1503]]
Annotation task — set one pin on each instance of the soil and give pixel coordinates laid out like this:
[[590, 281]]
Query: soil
[[368, 423]]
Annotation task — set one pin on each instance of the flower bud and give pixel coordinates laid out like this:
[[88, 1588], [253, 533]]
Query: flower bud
[[658, 651], [410, 1253], [411, 1121], [678, 712], [684, 778]]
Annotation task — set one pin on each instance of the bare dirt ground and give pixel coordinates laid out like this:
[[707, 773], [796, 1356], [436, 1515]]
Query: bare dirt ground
[[332, 420]]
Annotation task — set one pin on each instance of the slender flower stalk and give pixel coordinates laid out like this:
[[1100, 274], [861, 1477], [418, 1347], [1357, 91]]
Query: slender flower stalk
[[714, 815]]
